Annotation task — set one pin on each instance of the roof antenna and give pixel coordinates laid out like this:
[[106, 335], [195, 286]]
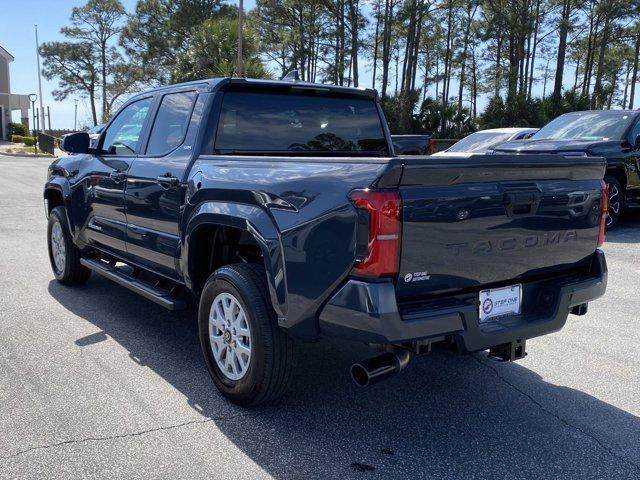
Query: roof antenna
[[292, 76]]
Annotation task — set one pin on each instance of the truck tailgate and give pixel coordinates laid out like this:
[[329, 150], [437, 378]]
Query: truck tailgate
[[492, 220]]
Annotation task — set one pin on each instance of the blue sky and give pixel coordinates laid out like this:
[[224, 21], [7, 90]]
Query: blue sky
[[17, 19]]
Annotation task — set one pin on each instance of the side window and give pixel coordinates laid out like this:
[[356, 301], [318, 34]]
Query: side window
[[122, 135], [171, 122]]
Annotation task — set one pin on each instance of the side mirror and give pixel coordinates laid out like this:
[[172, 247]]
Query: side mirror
[[75, 142], [636, 143]]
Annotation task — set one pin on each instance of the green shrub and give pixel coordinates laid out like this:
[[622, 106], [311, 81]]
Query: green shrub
[[445, 120], [29, 141], [17, 129], [531, 112], [17, 138]]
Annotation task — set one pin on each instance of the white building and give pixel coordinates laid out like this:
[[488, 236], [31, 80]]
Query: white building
[[8, 101]]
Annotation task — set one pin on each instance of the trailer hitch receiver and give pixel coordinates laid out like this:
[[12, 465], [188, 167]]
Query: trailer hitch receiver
[[509, 352]]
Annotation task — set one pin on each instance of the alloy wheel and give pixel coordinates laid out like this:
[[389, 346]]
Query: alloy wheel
[[230, 336], [58, 248], [614, 204]]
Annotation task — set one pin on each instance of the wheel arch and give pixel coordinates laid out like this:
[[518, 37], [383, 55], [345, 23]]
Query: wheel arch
[[619, 174], [56, 192], [53, 198], [208, 232]]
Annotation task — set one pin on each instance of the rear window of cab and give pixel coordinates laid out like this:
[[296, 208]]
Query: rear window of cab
[[252, 122]]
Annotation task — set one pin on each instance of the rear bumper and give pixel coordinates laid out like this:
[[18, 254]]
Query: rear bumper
[[368, 312]]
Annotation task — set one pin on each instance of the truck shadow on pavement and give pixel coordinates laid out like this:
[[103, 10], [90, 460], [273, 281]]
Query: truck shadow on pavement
[[445, 416]]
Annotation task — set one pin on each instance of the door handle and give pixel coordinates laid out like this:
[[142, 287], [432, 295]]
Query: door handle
[[167, 181], [117, 176]]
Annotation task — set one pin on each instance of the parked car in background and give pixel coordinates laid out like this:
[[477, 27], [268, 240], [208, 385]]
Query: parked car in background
[[412, 144], [94, 134], [281, 207], [612, 134], [484, 140]]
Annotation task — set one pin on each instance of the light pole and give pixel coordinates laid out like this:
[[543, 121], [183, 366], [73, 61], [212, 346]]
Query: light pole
[[32, 98], [39, 80], [240, 19], [75, 114]]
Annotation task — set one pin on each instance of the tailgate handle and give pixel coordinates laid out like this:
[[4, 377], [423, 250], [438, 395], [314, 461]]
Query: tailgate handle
[[519, 198], [521, 203]]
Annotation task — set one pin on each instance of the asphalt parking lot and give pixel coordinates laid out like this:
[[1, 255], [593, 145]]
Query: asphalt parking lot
[[97, 382]]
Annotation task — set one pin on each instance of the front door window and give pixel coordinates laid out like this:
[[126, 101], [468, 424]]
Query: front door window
[[123, 134]]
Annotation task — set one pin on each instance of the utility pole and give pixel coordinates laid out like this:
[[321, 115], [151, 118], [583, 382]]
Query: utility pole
[[75, 114], [39, 79], [240, 19]]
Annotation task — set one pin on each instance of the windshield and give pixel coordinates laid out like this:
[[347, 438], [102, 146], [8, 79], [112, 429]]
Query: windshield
[[301, 123], [480, 142], [603, 125]]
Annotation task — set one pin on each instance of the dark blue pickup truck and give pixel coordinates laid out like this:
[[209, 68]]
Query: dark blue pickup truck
[[611, 134], [282, 208]]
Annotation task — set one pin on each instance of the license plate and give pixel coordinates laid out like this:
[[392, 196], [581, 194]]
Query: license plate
[[500, 301]]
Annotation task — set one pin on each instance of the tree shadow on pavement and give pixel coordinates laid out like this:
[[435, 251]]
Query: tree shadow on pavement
[[445, 416]]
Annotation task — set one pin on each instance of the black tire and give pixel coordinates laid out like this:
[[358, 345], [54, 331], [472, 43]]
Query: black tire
[[270, 368], [616, 201], [71, 272]]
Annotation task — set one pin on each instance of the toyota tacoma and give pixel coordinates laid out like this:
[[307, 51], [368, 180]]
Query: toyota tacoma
[[282, 208]]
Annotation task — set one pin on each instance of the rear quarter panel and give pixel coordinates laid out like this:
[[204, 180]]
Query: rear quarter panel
[[307, 201]]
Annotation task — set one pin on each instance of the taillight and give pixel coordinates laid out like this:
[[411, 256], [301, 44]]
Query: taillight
[[383, 208], [604, 209]]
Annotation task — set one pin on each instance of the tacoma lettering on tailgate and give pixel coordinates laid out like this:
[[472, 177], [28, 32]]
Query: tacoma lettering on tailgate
[[513, 243]]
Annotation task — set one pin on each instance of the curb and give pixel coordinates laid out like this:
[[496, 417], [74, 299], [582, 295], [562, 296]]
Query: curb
[[25, 155]]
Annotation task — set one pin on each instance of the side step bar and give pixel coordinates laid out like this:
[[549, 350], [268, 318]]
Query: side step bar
[[155, 294]]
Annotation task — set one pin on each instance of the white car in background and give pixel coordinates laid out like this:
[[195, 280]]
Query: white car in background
[[484, 140]]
